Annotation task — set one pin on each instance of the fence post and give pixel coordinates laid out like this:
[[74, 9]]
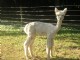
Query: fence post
[[21, 16], [0, 14]]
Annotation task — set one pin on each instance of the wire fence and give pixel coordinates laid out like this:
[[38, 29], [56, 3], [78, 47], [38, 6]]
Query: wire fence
[[40, 13]]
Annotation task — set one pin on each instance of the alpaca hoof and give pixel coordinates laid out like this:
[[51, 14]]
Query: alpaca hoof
[[48, 58], [36, 58], [28, 58], [52, 56]]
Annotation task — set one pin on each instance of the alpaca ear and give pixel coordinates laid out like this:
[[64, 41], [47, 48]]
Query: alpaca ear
[[65, 10], [56, 10]]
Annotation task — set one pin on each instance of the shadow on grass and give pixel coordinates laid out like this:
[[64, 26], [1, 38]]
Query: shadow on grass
[[66, 29], [58, 58], [70, 29], [11, 33]]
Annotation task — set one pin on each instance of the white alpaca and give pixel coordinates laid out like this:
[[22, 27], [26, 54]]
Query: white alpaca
[[43, 28]]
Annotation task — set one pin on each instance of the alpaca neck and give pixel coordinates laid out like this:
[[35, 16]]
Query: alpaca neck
[[58, 25]]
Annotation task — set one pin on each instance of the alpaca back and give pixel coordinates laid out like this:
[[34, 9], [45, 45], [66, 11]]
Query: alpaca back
[[44, 28], [39, 28]]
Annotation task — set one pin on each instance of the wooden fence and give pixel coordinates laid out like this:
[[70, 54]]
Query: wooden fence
[[40, 13]]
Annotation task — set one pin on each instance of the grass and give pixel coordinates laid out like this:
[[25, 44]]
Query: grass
[[66, 44]]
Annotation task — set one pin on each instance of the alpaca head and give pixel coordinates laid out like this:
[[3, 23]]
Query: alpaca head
[[60, 14]]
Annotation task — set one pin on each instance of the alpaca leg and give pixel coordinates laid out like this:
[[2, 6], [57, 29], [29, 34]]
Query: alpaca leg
[[48, 53], [26, 45], [49, 46], [30, 47], [30, 51], [51, 49]]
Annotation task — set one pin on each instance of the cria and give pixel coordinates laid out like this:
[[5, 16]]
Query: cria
[[48, 29]]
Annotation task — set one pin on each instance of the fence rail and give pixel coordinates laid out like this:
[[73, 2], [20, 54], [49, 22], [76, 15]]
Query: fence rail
[[40, 13]]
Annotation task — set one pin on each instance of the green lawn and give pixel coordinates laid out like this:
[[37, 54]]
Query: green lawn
[[66, 44]]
